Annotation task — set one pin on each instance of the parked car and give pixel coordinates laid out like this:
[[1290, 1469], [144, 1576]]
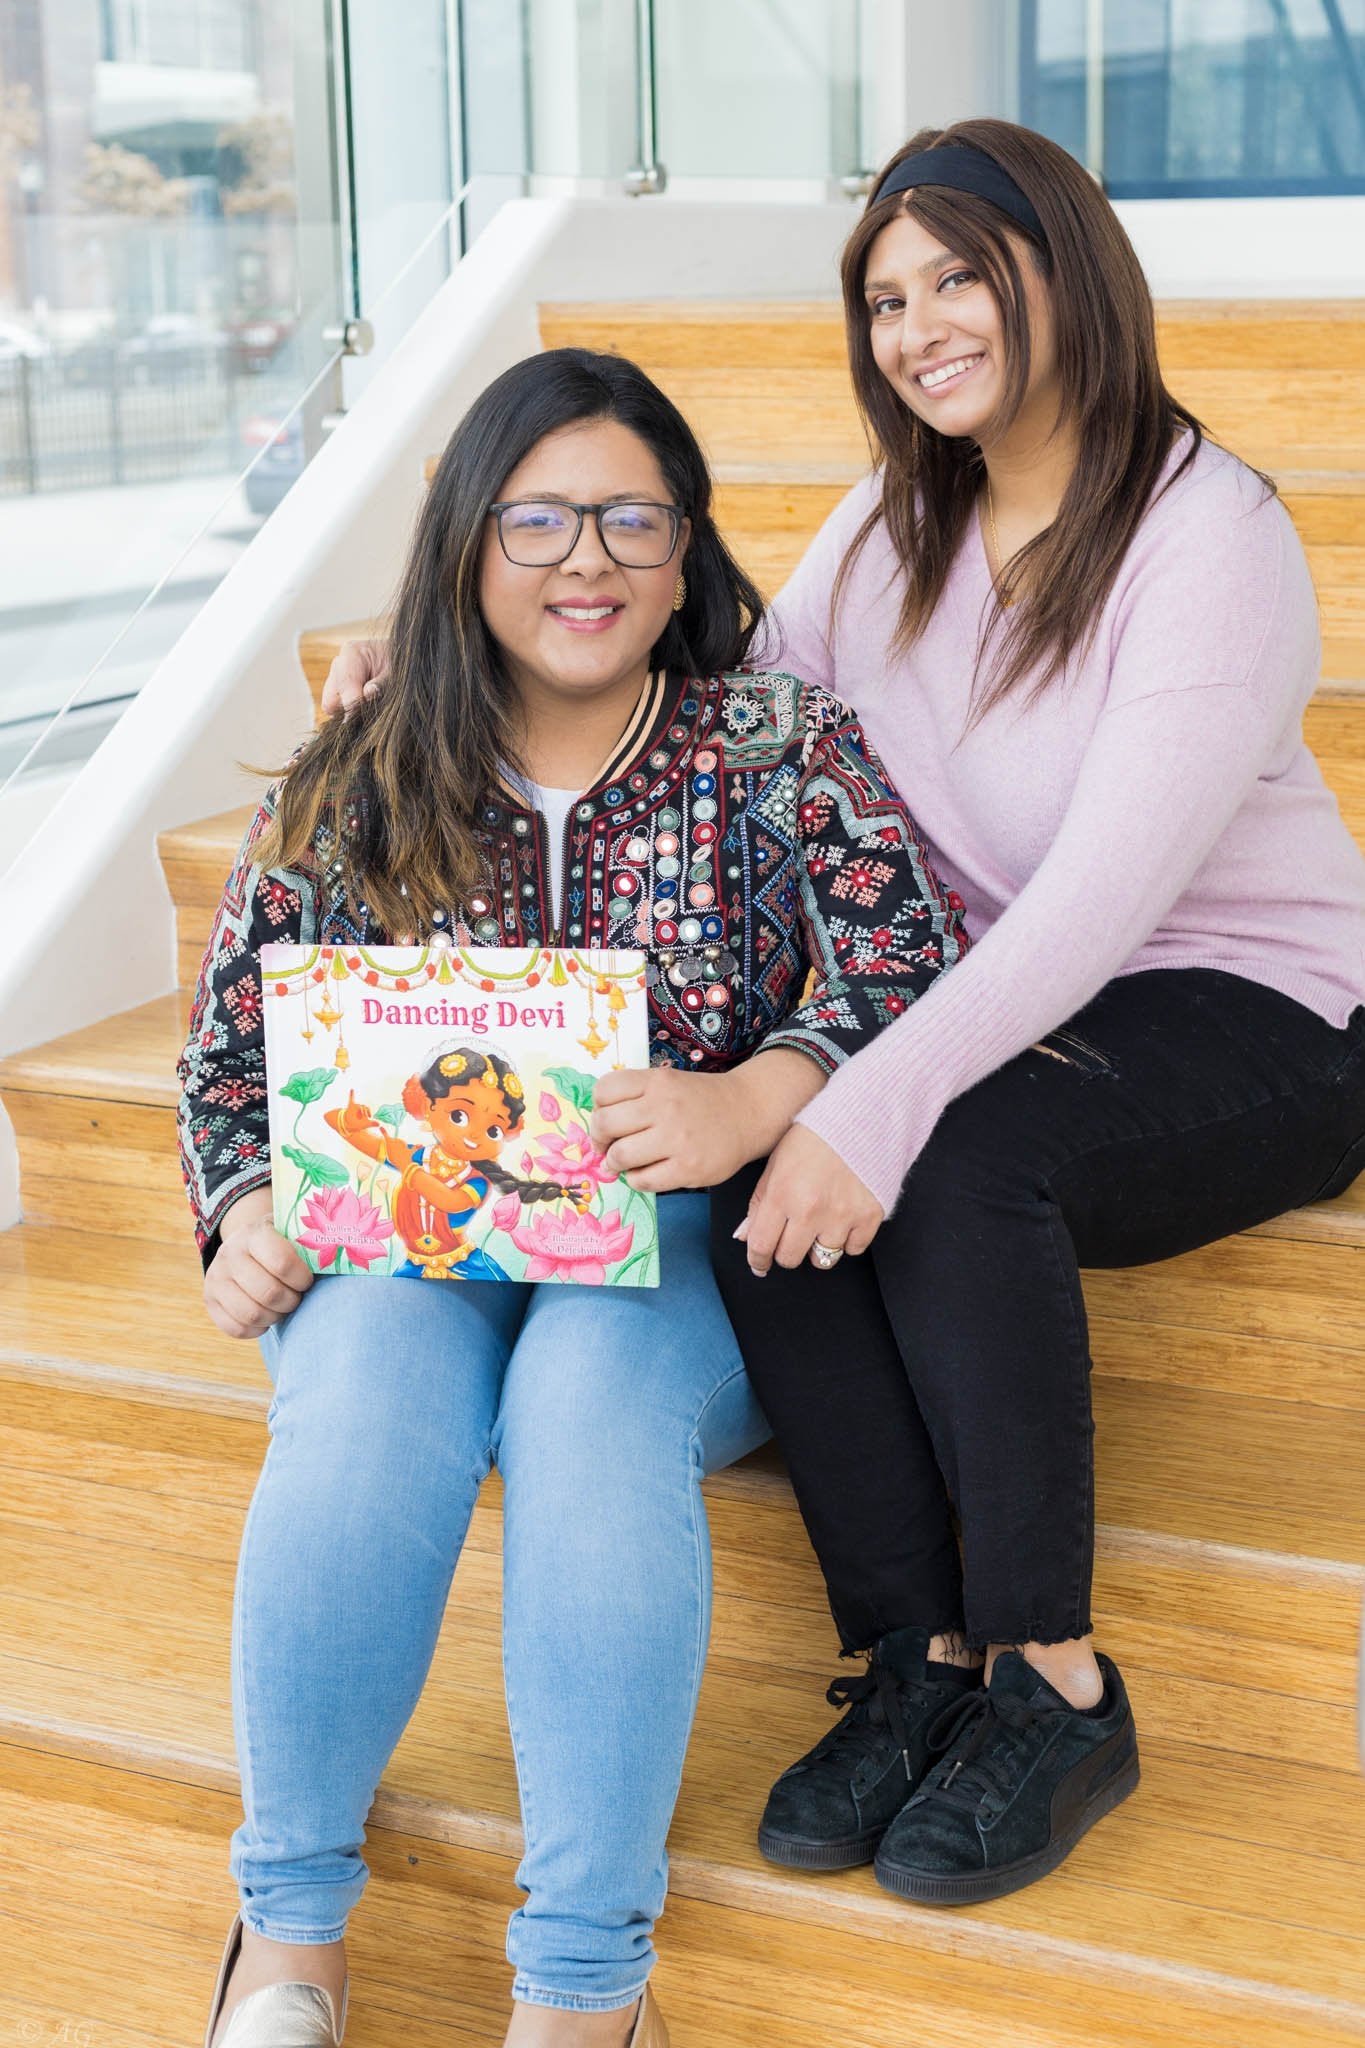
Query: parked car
[[282, 461], [257, 338], [17, 340], [168, 343]]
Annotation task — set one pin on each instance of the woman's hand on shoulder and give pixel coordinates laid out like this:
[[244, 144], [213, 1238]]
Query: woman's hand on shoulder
[[256, 1277], [807, 1196], [357, 674]]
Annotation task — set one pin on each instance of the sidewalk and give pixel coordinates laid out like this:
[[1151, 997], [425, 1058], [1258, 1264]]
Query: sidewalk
[[75, 566], [106, 548]]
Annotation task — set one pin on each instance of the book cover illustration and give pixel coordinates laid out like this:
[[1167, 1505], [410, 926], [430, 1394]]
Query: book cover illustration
[[429, 1109]]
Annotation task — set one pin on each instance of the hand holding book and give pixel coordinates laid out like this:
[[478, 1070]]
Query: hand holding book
[[256, 1278], [664, 1129]]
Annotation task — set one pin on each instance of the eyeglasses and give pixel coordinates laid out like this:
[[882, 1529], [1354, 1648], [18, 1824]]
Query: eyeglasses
[[538, 532]]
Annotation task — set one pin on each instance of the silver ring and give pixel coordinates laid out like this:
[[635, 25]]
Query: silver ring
[[825, 1255]]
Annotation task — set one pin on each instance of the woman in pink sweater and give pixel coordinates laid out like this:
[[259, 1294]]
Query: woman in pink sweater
[[1082, 639]]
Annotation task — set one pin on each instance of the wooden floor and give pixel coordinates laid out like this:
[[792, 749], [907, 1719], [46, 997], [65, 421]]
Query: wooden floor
[[1224, 1904]]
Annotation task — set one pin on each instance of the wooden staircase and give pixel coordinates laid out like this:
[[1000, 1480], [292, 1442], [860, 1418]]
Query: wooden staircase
[[1226, 1901]]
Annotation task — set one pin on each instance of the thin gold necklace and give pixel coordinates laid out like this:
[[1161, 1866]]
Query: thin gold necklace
[[995, 540]]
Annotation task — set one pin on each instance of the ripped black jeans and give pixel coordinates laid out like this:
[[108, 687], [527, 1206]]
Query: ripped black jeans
[[948, 1370]]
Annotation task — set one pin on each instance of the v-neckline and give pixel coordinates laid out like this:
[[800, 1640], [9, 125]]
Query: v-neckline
[[626, 746]]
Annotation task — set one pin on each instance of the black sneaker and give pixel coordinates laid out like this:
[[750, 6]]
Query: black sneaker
[[1022, 1776], [830, 1810]]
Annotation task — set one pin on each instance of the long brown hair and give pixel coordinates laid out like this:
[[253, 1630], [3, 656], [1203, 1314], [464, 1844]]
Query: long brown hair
[[1111, 388], [396, 792]]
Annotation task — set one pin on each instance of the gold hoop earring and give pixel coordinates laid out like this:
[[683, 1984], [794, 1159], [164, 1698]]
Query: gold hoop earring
[[680, 594]]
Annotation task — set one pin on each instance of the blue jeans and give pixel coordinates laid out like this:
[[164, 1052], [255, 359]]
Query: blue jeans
[[603, 1409]]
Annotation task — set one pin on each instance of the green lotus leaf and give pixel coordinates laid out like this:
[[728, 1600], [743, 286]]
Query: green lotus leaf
[[309, 1083], [317, 1169], [574, 1086], [390, 1113]]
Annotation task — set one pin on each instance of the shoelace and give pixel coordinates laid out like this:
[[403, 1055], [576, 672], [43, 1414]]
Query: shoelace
[[986, 1762], [876, 1687]]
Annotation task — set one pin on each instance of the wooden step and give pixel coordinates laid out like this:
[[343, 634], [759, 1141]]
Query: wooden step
[[84, 1311], [1274, 1316], [1328, 508], [197, 860], [1343, 664], [1194, 334], [90, 1112], [1343, 658], [1277, 1310], [809, 414], [124, 1318], [1238, 1871], [769, 526], [425, 1948], [754, 378]]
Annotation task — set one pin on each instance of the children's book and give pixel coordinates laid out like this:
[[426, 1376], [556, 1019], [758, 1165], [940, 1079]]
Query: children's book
[[429, 1111]]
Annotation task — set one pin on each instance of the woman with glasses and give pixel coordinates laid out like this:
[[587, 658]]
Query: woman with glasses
[[566, 753]]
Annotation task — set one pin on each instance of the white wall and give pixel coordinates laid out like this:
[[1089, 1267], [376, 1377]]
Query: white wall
[[1249, 248], [25, 804]]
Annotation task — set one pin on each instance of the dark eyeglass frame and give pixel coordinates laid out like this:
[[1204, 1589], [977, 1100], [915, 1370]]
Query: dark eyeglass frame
[[675, 515]]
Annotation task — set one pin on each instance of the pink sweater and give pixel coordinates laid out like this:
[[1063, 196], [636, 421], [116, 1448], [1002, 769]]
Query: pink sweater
[[1155, 808]]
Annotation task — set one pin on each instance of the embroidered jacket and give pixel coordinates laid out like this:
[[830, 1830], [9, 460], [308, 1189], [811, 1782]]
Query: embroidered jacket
[[743, 834]]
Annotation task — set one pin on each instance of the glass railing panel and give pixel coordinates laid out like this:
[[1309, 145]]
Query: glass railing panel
[[746, 97], [402, 107], [153, 553], [101, 580], [580, 72], [174, 266], [758, 89]]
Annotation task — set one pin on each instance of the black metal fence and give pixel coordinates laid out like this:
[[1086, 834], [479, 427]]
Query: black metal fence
[[109, 415]]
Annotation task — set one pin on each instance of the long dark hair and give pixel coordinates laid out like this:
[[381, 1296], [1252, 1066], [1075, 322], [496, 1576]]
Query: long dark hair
[[1112, 394], [403, 781]]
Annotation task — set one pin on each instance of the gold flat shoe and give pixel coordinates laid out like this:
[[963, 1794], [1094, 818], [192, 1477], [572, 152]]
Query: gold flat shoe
[[279, 2015], [650, 2031]]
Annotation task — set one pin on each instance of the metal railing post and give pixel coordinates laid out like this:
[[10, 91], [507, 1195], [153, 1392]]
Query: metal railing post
[[25, 372], [647, 175], [1094, 89], [118, 472]]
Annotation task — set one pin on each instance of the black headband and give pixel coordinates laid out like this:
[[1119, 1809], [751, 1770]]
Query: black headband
[[963, 169]]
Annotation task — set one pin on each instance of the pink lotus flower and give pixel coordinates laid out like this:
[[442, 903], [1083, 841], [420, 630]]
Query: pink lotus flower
[[572, 1159], [337, 1220], [528, 1164], [507, 1212], [573, 1247], [550, 1111]]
